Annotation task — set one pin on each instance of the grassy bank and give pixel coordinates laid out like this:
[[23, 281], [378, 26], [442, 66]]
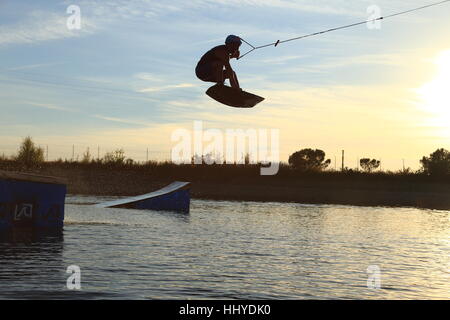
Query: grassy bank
[[244, 182]]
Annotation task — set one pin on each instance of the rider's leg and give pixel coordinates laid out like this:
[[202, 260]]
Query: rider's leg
[[236, 79], [233, 78], [218, 73]]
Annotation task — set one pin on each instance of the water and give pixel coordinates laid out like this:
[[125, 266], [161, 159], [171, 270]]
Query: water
[[233, 250]]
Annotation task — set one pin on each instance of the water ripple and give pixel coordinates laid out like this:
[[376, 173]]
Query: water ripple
[[233, 250]]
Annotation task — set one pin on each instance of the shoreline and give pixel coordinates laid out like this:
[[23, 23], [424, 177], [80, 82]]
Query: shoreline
[[322, 189], [347, 197]]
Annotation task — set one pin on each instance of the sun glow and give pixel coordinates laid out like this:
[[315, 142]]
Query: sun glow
[[435, 95]]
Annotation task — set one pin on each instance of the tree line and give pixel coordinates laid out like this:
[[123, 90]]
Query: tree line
[[437, 163], [305, 160]]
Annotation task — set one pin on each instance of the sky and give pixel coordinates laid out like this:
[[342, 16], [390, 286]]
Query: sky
[[126, 78]]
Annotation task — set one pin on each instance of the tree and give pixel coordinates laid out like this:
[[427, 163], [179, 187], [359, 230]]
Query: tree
[[115, 157], [309, 160], [369, 165], [438, 163], [86, 156], [29, 154]]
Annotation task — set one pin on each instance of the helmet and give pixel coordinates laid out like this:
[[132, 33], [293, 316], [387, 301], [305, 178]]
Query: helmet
[[233, 39]]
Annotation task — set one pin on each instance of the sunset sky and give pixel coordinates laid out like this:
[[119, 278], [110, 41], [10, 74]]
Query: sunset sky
[[126, 78]]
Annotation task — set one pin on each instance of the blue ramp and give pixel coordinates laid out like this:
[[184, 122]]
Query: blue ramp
[[174, 197]]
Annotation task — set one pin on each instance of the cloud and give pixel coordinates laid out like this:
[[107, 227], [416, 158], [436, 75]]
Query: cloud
[[34, 66], [124, 121], [402, 59], [380, 59], [282, 59], [338, 7], [148, 77], [168, 87], [47, 25], [125, 9], [49, 106], [42, 26]]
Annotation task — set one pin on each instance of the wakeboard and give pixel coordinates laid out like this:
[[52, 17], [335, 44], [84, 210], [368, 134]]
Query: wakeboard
[[233, 97]]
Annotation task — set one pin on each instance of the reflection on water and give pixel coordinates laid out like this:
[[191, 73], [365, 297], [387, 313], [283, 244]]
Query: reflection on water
[[31, 236], [29, 259], [241, 250]]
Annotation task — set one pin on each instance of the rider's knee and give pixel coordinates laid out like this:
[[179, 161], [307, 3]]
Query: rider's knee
[[228, 74]]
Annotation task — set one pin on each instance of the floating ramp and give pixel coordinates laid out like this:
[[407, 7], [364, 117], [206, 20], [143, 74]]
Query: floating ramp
[[31, 201], [174, 197]]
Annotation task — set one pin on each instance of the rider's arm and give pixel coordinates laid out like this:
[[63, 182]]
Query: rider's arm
[[236, 54], [225, 57], [233, 80]]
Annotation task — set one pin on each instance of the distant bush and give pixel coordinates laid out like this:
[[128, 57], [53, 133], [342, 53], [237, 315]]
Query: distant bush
[[116, 157], [29, 154], [369, 165], [309, 160], [438, 163], [86, 157]]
